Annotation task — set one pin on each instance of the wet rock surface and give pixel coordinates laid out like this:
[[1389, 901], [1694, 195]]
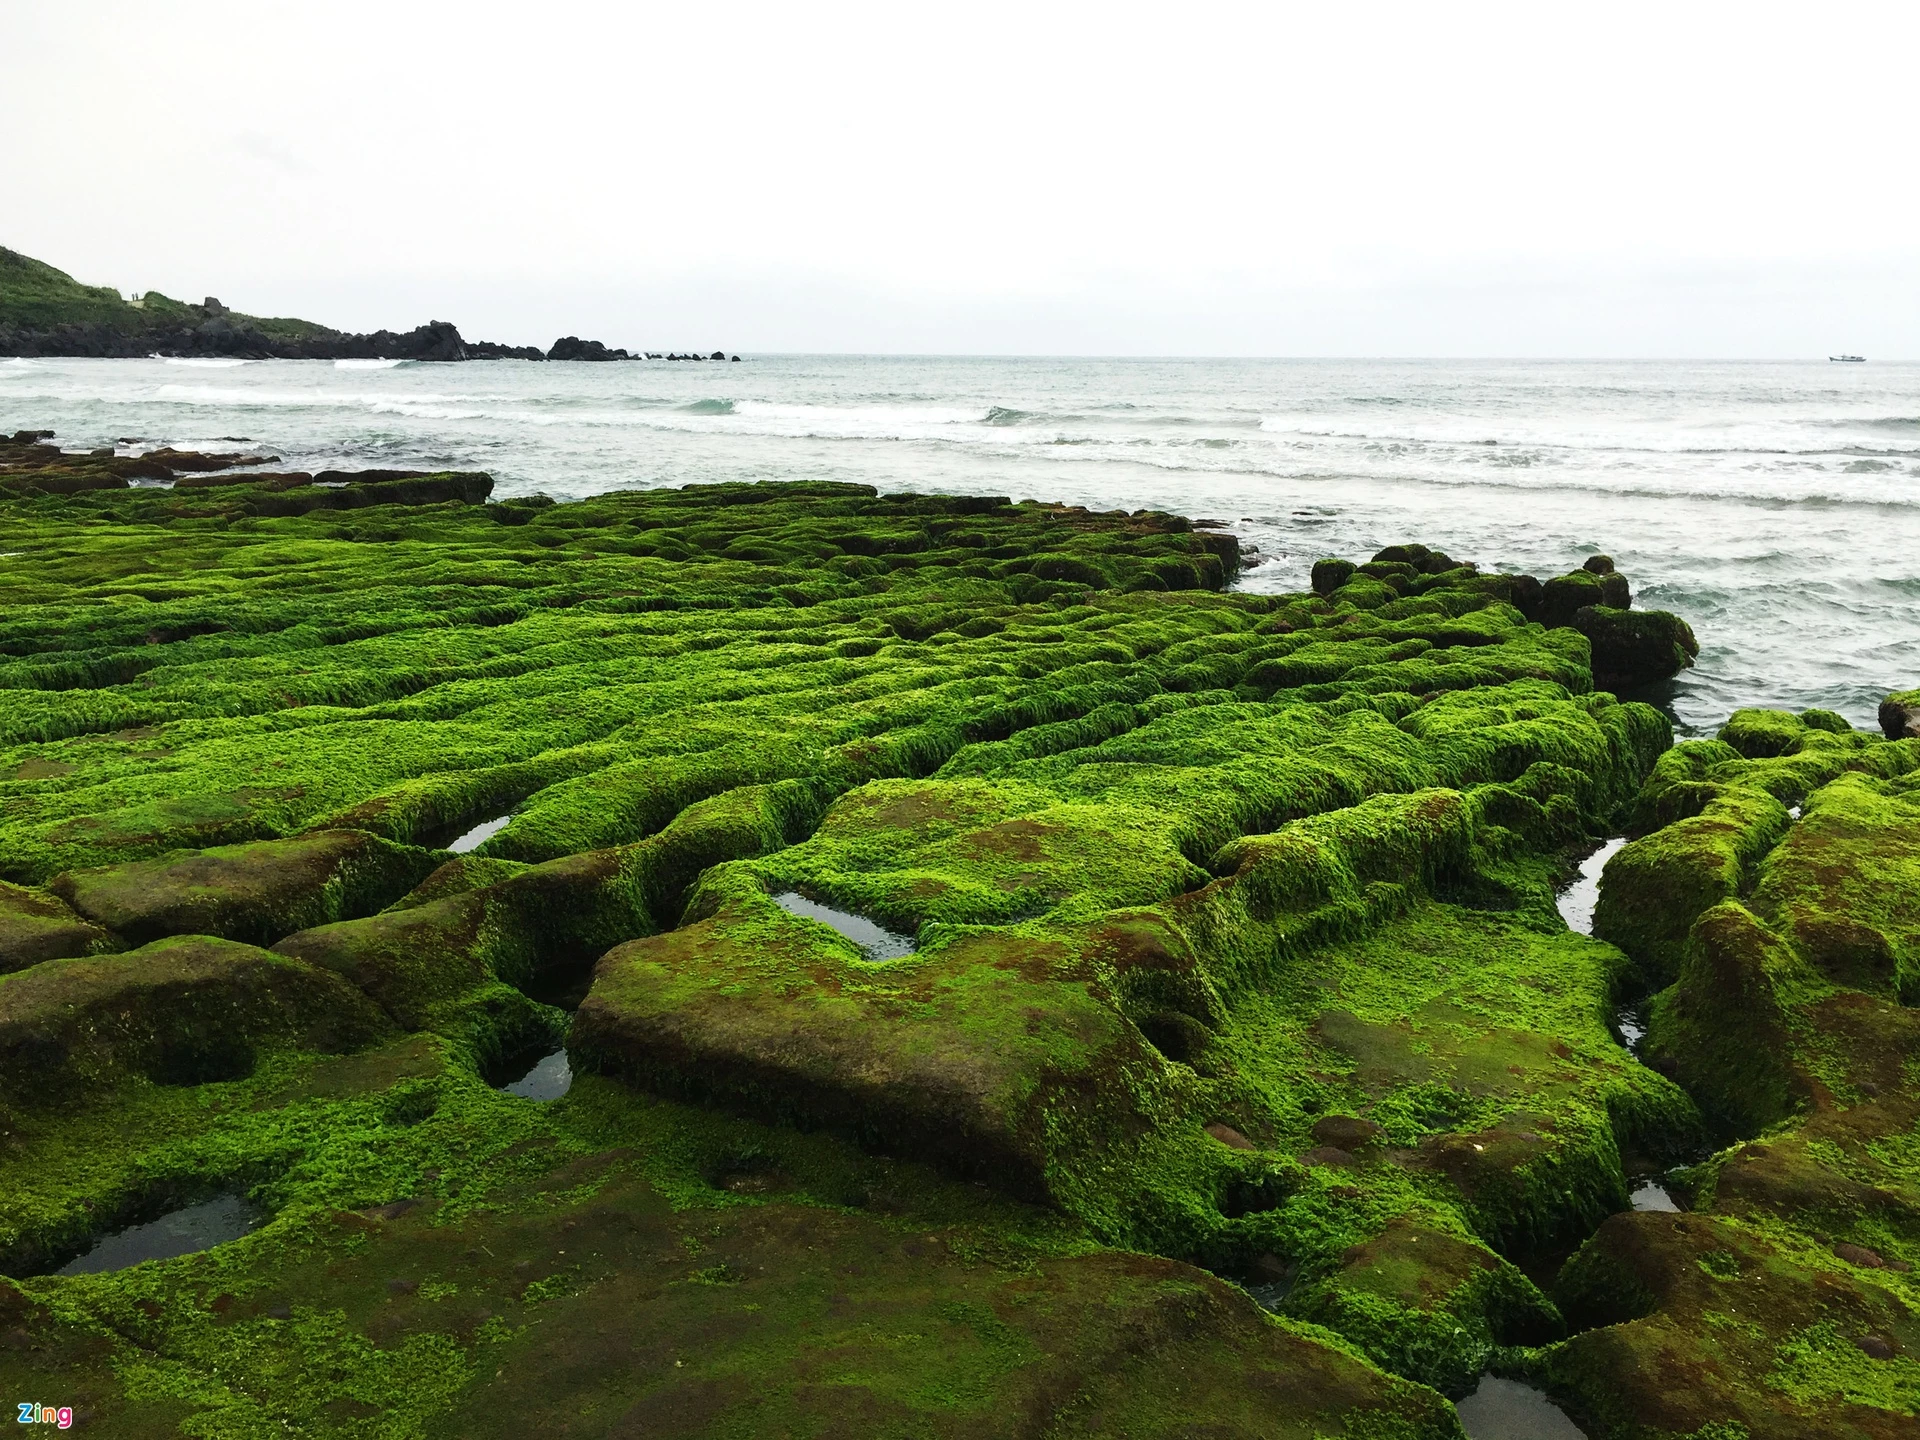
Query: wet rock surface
[[1225, 936]]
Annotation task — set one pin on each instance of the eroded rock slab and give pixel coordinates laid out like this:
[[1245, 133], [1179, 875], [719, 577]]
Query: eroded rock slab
[[255, 893], [36, 926]]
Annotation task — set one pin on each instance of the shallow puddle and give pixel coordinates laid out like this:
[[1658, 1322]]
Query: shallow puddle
[[1576, 902], [1508, 1410], [1631, 1022], [549, 1079], [197, 1227], [1272, 1295], [1653, 1196], [875, 941], [479, 835]]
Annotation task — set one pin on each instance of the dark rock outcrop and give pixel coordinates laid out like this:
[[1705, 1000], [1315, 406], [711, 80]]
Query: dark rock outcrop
[[487, 350], [1633, 648], [572, 347], [1900, 715]]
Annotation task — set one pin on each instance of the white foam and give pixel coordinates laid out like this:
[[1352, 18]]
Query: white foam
[[418, 411], [205, 363], [369, 364], [945, 424], [316, 397]]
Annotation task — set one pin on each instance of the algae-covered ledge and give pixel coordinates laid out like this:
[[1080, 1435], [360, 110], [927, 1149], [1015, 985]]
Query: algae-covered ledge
[[1226, 1066]]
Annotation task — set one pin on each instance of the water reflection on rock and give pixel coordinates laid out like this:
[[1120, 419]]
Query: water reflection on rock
[[549, 1079], [1653, 1196], [1508, 1410], [1576, 902], [180, 1232], [479, 835], [875, 941]]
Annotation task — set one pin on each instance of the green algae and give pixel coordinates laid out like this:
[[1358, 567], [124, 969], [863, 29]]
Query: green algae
[[253, 893], [1786, 1303], [36, 926], [1235, 945]]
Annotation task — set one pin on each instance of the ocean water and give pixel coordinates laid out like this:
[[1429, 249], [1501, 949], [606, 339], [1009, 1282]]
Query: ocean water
[[1775, 505]]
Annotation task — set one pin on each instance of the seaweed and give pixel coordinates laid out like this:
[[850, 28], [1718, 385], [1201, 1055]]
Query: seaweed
[[1234, 956], [1785, 942]]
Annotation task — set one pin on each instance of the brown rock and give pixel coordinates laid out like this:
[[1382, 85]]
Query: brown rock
[[1329, 1155], [1859, 1255], [1347, 1132], [1269, 1269], [1227, 1135]]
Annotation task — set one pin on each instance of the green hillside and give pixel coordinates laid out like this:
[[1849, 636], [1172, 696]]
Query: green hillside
[[34, 294], [34, 297]]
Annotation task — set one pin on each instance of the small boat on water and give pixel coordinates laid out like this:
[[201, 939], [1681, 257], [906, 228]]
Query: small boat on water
[[1850, 359]]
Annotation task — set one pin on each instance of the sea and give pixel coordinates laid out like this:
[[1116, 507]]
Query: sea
[[1775, 505]]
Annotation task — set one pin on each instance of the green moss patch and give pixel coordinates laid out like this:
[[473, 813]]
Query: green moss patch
[[1234, 954]]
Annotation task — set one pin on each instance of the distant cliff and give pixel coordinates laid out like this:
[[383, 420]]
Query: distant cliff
[[44, 311]]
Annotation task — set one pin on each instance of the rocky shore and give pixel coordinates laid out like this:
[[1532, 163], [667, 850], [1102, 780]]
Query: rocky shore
[[782, 958]]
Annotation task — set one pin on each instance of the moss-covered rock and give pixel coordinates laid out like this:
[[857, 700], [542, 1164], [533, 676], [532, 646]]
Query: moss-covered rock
[[980, 897], [1692, 1325], [1786, 1303], [1713, 810], [1634, 648], [541, 927], [1722, 1029], [584, 1284], [182, 1011], [36, 926], [254, 893]]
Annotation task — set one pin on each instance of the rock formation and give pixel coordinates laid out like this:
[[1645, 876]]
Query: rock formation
[[572, 347], [1236, 1075]]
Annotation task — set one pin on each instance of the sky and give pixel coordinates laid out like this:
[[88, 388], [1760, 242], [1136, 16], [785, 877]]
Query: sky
[[1219, 179]]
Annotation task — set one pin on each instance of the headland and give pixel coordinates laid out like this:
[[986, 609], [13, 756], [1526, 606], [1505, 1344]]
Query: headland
[[46, 312]]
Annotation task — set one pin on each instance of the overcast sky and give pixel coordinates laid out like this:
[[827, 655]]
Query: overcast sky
[[1268, 179]]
